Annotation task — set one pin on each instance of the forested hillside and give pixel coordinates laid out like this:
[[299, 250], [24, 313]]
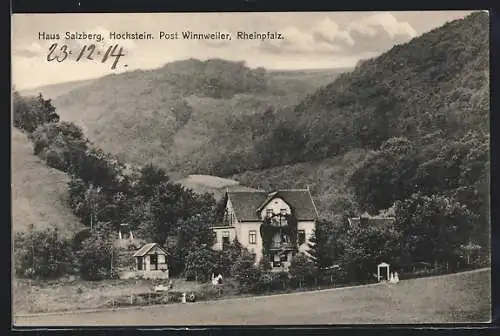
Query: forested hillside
[[435, 86], [264, 127], [177, 115], [433, 91]]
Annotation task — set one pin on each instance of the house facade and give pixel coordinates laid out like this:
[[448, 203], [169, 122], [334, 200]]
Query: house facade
[[275, 225]]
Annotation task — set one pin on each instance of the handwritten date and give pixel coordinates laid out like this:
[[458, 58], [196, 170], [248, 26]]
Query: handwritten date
[[62, 53]]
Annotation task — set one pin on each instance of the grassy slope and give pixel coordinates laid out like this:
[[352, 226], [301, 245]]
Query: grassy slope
[[39, 193], [462, 297]]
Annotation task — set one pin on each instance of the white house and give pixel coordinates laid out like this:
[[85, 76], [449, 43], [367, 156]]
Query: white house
[[246, 211]]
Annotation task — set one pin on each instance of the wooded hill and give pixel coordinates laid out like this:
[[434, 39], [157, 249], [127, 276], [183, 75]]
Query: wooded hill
[[433, 91], [435, 86], [185, 116]]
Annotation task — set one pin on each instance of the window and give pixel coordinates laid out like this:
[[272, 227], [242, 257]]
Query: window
[[301, 237], [284, 257], [283, 212], [252, 237], [153, 262], [225, 238], [269, 212], [276, 261], [139, 263]]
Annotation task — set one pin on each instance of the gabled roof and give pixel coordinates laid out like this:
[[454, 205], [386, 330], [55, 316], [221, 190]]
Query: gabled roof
[[146, 248], [246, 204]]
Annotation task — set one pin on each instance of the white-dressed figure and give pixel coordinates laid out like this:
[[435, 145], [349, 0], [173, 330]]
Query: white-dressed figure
[[396, 277], [391, 278]]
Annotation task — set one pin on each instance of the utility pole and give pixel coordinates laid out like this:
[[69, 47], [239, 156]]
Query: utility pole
[[32, 271], [112, 256]]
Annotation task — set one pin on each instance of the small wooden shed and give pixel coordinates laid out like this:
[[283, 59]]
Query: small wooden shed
[[151, 261]]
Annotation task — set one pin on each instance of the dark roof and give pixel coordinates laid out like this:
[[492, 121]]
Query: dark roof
[[246, 204], [146, 248]]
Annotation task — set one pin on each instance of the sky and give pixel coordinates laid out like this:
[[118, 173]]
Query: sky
[[311, 40]]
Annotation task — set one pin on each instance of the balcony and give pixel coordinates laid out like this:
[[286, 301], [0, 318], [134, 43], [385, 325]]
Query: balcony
[[278, 221], [281, 245]]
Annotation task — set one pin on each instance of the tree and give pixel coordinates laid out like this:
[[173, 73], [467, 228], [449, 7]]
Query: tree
[[171, 205], [366, 247], [97, 257], [474, 191], [31, 112], [200, 262], [385, 176], [246, 273], [42, 254], [439, 168], [192, 231], [325, 245], [433, 228], [90, 203], [61, 145], [227, 257], [150, 177], [302, 269], [99, 168]]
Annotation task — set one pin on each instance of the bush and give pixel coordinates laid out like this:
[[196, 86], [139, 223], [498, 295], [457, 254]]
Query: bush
[[42, 254], [200, 263], [246, 273], [54, 159], [433, 229], [97, 259], [302, 270], [31, 112]]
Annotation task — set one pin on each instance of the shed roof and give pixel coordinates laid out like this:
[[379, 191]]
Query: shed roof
[[146, 248]]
